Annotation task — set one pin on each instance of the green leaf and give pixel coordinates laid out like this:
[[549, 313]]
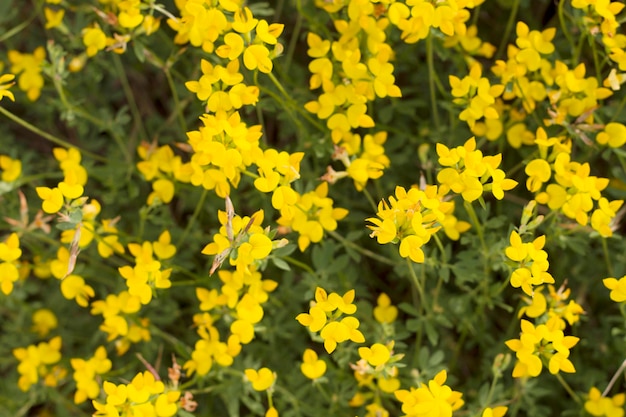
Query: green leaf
[[280, 264]]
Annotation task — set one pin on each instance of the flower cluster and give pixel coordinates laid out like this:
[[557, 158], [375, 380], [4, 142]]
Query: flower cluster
[[475, 93], [412, 217], [532, 264], [71, 188], [599, 405], [540, 345], [10, 253], [148, 273], [434, 399], [39, 362], [241, 240], [6, 82], [310, 214], [352, 72], [617, 287], [86, 372], [145, 395], [162, 167], [325, 317], [574, 192], [467, 171], [225, 146], [120, 322], [124, 19], [238, 302], [554, 304], [27, 68]]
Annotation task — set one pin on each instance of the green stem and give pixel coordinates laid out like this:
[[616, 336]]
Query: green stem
[[177, 106], [418, 285], [365, 252], [569, 389], [194, 216], [508, 29], [130, 97], [297, 263], [492, 388], [48, 136], [476, 223], [17, 29], [596, 61], [618, 111], [370, 199], [293, 42], [93, 119], [292, 104], [564, 28], [431, 81], [616, 375], [607, 258]]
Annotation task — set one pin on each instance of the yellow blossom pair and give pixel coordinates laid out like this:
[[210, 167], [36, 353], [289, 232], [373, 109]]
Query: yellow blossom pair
[[325, 316], [144, 395], [545, 343], [466, 172]]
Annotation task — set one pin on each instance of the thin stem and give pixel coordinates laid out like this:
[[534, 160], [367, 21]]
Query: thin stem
[[17, 29], [431, 81], [365, 252], [569, 389], [293, 42], [564, 28], [596, 61], [297, 263], [617, 112], [293, 104], [130, 97], [370, 199], [93, 119], [492, 388], [476, 223], [418, 284], [48, 136], [607, 258], [619, 371], [193, 218], [508, 29], [177, 106]]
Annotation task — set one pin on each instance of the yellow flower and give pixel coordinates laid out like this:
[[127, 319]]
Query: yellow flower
[[599, 405], [538, 171], [74, 287], [6, 81], [617, 287], [312, 367], [494, 412], [53, 18], [52, 199], [384, 312], [11, 168], [163, 247], [257, 56], [614, 135], [376, 355], [94, 39], [434, 396], [162, 190], [44, 320], [262, 379]]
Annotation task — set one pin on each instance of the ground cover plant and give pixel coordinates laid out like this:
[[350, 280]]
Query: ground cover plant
[[312, 208]]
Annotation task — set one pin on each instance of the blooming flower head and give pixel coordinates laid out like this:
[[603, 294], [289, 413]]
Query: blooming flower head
[[434, 396], [6, 81]]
